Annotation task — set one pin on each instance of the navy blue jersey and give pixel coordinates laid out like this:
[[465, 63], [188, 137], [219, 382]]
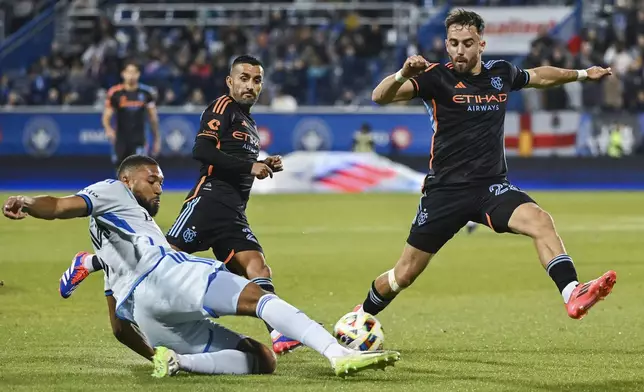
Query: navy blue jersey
[[130, 108], [467, 115]]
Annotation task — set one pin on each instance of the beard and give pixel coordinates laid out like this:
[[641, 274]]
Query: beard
[[464, 68], [150, 206], [246, 102]]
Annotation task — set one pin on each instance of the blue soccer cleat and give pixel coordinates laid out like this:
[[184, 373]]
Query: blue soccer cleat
[[283, 345], [74, 275]]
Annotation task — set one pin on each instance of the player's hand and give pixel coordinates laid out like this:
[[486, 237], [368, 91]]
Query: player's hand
[[596, 73], [275, 163], [12, 208], [414, 65], [111, 135], [261, 170]]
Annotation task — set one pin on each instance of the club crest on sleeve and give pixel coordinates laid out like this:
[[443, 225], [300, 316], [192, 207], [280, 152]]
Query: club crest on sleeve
[[189, 235], [497, 83]]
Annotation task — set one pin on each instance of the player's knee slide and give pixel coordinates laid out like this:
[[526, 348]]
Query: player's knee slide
[[393, 283]]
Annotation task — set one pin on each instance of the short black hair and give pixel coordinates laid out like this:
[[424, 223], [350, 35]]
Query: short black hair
[[132, 63], [134, 161], [246, 59], [465, 18]]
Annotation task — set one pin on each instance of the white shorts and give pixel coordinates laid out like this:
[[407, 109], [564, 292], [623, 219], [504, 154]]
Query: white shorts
[[168, 305]]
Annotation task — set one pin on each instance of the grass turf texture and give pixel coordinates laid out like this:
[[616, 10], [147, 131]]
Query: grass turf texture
[[483, 317]]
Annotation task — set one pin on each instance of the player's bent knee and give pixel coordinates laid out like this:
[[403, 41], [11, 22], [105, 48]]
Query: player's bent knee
[[542, 224], [249, 298], [256, 267], [260, 270]]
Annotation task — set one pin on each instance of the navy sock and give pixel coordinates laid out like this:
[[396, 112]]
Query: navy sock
[[96, 263], [375, 303], [267, 285], [562, 271]]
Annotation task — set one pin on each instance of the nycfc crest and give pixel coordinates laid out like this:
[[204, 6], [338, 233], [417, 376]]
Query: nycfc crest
[[422, 218], [189, 235], [497, 83]]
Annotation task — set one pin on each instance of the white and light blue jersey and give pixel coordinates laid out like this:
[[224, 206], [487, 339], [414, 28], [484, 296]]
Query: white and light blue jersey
[[124, 235]]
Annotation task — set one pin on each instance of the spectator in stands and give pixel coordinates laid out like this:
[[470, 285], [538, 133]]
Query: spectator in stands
[[335, 63], [169, 98], [5, 88], [53, 97], [618, 57], [195, 100], [633, 85], [591, 92]]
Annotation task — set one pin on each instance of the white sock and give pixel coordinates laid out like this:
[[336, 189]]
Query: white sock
[[567, 291], [87, 262], [220, 362], [291, 322]]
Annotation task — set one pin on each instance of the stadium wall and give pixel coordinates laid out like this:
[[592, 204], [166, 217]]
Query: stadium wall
[[66, 149]]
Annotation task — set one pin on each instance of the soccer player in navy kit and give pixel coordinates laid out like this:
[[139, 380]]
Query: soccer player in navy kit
[[466, 103]]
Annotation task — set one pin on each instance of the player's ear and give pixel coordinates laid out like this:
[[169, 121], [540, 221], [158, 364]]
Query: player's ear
[[229, 81], [482, 44]]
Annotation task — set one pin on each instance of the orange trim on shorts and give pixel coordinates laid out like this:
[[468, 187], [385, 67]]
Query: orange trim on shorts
[[201, 181], [489, 221], [230, 256]]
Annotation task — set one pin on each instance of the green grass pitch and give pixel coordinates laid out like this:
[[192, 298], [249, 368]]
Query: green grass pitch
[[483, 317]]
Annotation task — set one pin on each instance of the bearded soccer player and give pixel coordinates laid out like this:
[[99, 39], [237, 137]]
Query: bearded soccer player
[[466, 102]]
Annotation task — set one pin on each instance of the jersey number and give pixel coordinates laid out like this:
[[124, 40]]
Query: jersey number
[[500, 189]]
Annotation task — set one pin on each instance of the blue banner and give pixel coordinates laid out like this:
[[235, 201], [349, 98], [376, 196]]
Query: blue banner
[[45, 134]]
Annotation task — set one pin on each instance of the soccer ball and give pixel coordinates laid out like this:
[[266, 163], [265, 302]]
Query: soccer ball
[[359, 331]]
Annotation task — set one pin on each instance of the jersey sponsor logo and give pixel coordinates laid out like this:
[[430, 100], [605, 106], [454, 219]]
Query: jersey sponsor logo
[[246, 137], [124, 102], [189, 235], [481, 102], [214, 124], [41, 136], [479, 99], [497, 83]]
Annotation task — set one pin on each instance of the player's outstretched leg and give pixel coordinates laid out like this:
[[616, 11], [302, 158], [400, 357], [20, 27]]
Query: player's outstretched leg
[[387, 286], [250, 357], [83, 264], [529, 219], [253, 301], [252, 264]]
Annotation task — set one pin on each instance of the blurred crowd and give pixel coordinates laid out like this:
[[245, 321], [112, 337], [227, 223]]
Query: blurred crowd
[[614, 39], [335, 64]]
